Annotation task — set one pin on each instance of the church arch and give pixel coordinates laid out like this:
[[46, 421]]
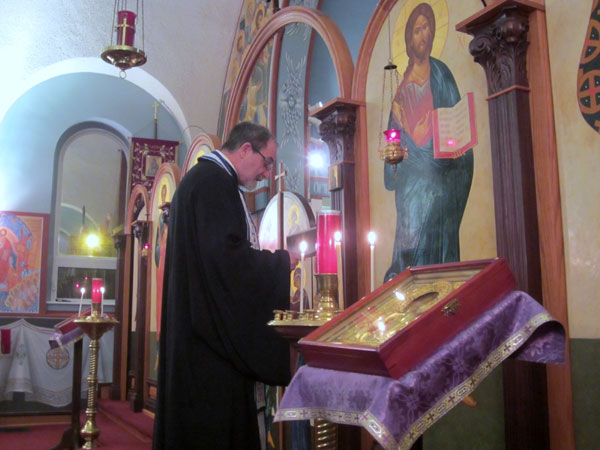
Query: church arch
[[138, 201], [322, 24], [138, 77], [201, 144]]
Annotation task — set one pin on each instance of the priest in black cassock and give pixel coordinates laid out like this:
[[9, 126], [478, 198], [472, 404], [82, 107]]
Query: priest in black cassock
[[216, 349]]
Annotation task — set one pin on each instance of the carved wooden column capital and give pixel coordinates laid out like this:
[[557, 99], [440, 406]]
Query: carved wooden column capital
[[139, 229], [119, 241], [337, 129], [501, 49]]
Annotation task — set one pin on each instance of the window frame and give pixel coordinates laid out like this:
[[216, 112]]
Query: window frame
[[53, 303]]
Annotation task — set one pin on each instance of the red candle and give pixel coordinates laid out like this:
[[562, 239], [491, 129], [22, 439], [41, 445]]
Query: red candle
[[96, 292], [125, 27], [328, 222]]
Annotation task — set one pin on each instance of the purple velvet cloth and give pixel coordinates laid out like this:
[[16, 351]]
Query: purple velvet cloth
[[59, 339], [397, 412]]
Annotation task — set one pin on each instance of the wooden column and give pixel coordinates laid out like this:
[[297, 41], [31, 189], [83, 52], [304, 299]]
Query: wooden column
[[122, 306], [71, 437], [140, 232], [552, 250], [338, 125], [500, 46]]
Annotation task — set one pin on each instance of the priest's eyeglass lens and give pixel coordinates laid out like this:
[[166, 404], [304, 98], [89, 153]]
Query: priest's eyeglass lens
[[268, 162]]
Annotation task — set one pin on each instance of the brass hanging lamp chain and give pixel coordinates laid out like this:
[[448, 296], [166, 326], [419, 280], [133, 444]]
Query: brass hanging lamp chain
[[390, 66], [113, 27], [143, 20]]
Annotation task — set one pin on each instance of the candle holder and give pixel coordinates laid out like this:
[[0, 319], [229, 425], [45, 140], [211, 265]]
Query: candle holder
[[94, 325], [124, 55], [327, 293]]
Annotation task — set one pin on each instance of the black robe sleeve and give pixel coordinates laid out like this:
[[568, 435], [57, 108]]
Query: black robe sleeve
[[219, 294], [232, 288], [238, 286]]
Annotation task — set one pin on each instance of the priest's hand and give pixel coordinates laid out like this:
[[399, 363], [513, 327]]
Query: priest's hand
[[294, 258]]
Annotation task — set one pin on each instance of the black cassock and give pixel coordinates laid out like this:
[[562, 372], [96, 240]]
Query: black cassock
[[219, 294]]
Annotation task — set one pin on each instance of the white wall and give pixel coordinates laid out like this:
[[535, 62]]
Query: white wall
[[187, 44]]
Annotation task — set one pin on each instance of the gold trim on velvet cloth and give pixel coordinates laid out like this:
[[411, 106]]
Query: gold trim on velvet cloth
[[445, 404]]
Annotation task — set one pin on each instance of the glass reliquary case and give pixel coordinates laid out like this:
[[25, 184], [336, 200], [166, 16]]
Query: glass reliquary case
[[398, 325]]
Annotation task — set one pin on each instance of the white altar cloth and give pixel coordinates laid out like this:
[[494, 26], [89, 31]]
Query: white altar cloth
[[44, 374]]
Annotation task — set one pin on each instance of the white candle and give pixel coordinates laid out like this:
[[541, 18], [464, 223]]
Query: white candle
[[340, 270], [81, 301], [372, 238], [102, 301], [303, 246]]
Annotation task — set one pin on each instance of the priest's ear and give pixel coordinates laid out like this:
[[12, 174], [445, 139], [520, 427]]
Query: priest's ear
[[245, 149]]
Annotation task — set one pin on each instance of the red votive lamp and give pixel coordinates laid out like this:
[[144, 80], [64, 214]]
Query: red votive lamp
[[328, 222], [125, 27], [96, 290], [392, 135]]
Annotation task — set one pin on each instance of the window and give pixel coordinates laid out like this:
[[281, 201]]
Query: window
[[90, 206]]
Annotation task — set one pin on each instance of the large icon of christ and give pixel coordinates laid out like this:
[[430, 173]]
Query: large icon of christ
[[430, 193]]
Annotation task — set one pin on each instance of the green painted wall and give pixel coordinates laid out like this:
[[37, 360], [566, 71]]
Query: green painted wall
[[482, 427], [585, 369]]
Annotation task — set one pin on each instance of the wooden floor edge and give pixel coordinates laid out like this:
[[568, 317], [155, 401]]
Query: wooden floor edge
[[132, 430], [27, 421]]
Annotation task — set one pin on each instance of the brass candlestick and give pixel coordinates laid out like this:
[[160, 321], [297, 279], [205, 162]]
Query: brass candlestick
[[325, 432], [325, 435], [94, 325], [327, 288], [293, 326]]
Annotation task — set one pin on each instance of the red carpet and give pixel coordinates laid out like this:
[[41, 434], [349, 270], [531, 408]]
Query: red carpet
[[120, 429], [120, 413]]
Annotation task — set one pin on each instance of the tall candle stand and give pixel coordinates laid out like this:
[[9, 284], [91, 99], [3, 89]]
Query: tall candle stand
[[94, 325], [294, 325]]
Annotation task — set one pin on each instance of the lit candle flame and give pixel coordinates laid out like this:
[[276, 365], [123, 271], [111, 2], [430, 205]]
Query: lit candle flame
[[303, 247], [371, 237], [337, 236]]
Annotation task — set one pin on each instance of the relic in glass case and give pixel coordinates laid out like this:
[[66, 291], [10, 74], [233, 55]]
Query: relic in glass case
[[398, 325]]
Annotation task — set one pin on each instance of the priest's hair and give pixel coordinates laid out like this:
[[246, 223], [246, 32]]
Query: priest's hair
[[243, 132]]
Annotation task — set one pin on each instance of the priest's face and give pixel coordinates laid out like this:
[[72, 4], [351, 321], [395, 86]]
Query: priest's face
[[257, 165]]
